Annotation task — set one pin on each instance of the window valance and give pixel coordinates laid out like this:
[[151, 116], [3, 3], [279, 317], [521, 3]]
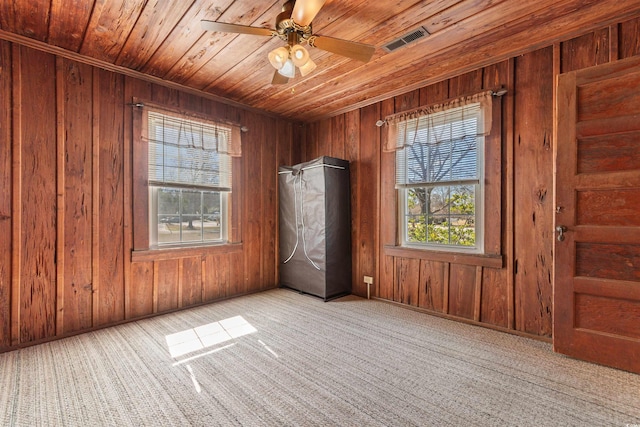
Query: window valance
[[403, 128], [223, 138]]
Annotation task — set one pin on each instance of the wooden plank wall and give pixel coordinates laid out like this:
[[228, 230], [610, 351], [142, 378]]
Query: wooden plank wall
[[66, 199], [66, 210], [518, 296]]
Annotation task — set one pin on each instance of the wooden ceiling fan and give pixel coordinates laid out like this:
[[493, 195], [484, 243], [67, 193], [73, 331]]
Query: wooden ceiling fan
[[293, 25]]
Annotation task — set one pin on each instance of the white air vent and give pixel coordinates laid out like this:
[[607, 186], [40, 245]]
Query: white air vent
[[408, 38]]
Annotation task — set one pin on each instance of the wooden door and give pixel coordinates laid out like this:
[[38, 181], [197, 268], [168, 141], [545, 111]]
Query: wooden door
[[596, 302]]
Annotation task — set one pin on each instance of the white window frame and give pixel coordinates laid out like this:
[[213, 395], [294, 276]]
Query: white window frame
[[479, 190], [153, 220], [155, 185]]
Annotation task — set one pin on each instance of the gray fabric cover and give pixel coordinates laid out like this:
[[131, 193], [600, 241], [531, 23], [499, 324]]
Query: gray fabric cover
[[315, 227]]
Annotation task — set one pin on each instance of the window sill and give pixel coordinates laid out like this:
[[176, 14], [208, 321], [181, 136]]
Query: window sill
[[157, 254], [483, 260]]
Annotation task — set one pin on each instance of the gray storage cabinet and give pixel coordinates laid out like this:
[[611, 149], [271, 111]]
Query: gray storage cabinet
[[315, 227]]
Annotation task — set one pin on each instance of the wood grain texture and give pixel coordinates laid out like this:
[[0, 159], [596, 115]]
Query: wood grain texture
[[253, 202], [608, 261], [141, 292], [477, 294], [215, 277], [269, 238], [132, 89], [167, 283], [164, 40], [462, 286], [6, 195], [508, 183], [237, 278], [352, 154], [182, 37], [494, 77], [596, 297], [111, 197], [140, 194], [196, 65], [125, 289], [628, 40], [407, 283], [286, 132], [325, 136], [191, 281], [337, 136], [497, 284], [610, 207], [609, 153], [534, 211], [235, 208], [151, 28], [585, 51], [616, 317], [75, 89], [494, 302], [67, 24], [515, 292], [30, 19], [367, 203], [620, 100], [16, 181], [466, 84], [77, 200], [109, 27], [388, 208], [37, 198], [554, 22], [432, 285]]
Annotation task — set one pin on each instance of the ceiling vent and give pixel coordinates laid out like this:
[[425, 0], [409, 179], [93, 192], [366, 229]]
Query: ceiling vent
[[408, 38]]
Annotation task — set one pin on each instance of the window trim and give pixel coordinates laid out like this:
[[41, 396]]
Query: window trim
[[493, 197], [479, 197], [482, 260], [164, 253], [140, 188]]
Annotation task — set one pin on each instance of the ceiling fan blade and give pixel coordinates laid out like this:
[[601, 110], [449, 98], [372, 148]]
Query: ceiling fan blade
[[223, 27], [279, 79], [305, 10], [354, 50]]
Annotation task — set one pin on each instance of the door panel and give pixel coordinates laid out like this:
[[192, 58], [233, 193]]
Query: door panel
[[597, 265]]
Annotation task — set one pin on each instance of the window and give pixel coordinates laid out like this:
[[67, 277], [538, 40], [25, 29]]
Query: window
[[440, 179], [189, 180]]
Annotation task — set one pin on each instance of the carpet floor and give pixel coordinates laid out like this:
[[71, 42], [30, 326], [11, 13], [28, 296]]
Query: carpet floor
[[279, 358]]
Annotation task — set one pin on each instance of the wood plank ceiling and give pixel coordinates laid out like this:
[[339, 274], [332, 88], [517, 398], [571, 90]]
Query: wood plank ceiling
[[163, 39]]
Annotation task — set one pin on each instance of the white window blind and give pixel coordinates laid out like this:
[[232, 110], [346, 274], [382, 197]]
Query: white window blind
[[188, 153], [440, 148]]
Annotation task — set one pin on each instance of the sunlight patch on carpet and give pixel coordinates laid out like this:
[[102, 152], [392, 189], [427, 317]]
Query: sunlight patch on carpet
[[209, 335]]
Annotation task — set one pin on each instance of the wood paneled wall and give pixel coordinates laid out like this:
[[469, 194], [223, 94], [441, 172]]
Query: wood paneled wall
[[67, 226], [66, 201], [518, 295]]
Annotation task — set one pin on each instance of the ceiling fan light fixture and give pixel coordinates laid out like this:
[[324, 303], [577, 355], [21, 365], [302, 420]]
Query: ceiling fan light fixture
[[293, 25], [307, 67], [278, 57], [288, 69], [299, 55]]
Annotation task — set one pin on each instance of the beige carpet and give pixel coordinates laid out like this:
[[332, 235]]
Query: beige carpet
[[279, 358]]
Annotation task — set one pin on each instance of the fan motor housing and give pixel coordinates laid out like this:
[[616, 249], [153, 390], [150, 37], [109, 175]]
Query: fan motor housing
[[287, 29]]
